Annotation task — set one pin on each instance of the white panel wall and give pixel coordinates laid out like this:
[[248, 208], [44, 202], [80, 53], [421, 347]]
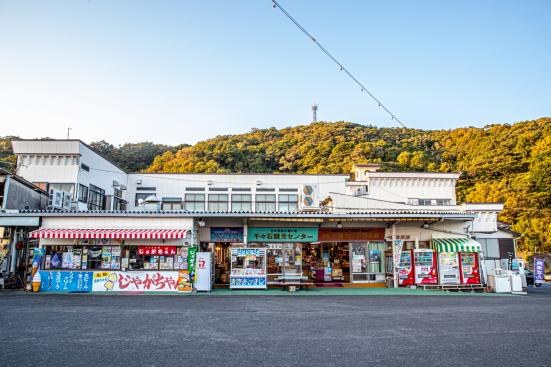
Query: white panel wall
[[118, 222]]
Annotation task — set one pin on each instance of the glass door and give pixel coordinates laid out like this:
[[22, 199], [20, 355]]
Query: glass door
[[292, 259], [367, 261], [359, 262]]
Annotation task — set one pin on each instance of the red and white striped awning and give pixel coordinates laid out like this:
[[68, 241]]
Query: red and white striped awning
[[110, 233]]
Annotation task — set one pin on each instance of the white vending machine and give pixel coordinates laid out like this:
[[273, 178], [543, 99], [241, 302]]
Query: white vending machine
[[448, 267], [203, 272]]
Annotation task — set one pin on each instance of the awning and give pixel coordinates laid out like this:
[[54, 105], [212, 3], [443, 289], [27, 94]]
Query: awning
[[456, 245], [110, 233]]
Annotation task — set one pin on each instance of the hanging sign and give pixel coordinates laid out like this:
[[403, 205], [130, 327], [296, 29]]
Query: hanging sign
[[226, 234], [282, 234], [539, 270], [156, 250]]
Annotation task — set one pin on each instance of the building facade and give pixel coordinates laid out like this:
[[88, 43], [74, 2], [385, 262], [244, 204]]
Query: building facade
[[258, 230]]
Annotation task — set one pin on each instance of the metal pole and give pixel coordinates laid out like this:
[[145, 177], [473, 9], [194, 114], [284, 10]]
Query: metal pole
[[394, 267]]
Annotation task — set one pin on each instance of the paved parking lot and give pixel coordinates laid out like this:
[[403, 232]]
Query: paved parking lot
[[99, 330]]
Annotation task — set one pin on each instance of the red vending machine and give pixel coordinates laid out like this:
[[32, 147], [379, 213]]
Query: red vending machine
[[470, 272], [425, 266], [405, 269]]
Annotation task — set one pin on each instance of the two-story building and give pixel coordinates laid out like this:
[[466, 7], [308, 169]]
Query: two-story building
[[261, 229]]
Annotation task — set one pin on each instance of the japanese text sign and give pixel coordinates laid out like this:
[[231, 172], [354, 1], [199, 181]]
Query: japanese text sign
[[282, 234]]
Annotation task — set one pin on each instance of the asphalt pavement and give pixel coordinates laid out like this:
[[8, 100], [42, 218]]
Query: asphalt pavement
[[103, 330]]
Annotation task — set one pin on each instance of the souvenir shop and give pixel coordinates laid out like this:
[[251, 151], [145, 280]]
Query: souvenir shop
[[114, 254]]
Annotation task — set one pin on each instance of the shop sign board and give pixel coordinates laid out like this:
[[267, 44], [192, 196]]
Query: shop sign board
[[351, 234], [157, 250], [398, 244], [135, 281], [226, 234], [539, 270], [246, 282], [66, 281], [266, 234]]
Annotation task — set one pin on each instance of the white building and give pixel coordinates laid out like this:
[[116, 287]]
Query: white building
[[361, 213]]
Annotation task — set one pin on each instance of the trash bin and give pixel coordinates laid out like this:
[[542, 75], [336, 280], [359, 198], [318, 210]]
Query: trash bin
[[516, 282], [500, 282]]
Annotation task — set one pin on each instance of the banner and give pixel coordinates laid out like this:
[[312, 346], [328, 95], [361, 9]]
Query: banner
[[539, 270], [191, 256], [256, 234], [66, 281], [157, 250], [136, 281], [398, 244]]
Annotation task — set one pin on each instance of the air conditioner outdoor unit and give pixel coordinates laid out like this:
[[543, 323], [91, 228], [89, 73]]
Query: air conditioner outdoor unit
[[116, 183], [309, 198]]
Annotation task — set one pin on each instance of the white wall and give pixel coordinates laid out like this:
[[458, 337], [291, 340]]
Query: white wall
[[174, 185]]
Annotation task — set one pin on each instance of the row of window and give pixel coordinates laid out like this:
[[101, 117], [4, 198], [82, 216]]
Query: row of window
[[431, 202], [51, 160], [219, 202]]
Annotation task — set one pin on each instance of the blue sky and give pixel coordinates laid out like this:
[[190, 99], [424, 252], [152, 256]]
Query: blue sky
[[182, 71]]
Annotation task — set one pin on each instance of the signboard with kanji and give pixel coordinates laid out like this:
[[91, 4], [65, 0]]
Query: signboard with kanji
[[539, 270], [157, 250], [262, 234]]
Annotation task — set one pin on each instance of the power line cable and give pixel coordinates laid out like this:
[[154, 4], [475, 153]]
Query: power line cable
[[364, 89]]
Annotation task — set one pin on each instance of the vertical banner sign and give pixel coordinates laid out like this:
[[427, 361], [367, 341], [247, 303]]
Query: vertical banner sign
[[191, 256], [398, 244], [397, 254], [539, 269]]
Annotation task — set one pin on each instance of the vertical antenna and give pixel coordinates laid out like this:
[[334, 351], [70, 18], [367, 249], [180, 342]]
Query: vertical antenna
[[68, 133], [314, 112]]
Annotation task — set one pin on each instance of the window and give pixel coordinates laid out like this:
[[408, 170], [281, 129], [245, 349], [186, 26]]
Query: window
[[172, 203], [218, 202], [142, 196], [96, 198], [265, 203], [241, 203], [155, 257], [85, 167], [82, 193], [195, 202], [429, 202], [92, 256], [66, 187], [288, 202]]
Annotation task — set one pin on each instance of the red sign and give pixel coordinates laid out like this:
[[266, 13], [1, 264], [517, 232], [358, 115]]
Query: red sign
[[157, 250]]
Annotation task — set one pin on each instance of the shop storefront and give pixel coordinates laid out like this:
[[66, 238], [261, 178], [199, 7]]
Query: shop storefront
[[222, 240], [354, 255], [109, 259], [284, 249]]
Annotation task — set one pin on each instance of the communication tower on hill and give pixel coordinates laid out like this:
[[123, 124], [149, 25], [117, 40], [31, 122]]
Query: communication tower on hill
[[314, 112]]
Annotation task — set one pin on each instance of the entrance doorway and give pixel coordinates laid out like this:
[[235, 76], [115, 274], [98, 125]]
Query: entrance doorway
[[283, 259], [327, 262], [367, 261], [222, 255]]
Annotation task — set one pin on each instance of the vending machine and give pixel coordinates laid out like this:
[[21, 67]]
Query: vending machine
[[425, 266], [448, 268], [405, 269], [470, 272]]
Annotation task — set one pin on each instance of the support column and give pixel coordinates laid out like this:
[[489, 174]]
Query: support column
[[394, 265], [13, 257], [245, 230]]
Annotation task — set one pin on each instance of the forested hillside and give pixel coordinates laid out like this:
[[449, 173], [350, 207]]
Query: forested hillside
[[498, 163]]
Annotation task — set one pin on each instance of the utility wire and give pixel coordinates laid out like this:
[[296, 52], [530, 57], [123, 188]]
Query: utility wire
[[364, 89]]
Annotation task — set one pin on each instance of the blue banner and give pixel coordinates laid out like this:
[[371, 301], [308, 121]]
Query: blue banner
[[247, 282], [226, 234], [66, 281], [539, 270]]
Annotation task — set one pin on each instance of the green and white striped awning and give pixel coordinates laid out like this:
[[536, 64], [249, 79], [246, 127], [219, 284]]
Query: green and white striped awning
[[455, 245]]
